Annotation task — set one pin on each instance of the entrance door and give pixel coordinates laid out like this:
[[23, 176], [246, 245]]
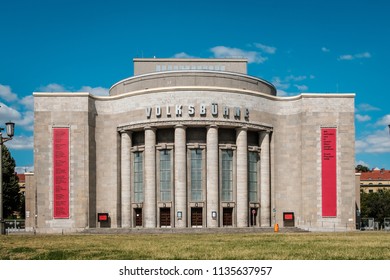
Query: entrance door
[[138, 217], [227, 217], [196, 216], [165, 217], [254, 216]]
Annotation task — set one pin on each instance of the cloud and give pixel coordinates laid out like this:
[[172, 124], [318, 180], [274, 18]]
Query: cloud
[[52, 88], [301, 87], [362, 118], [355, 56], [324, 49], [6, 93], [21, 143], [360, 162], [8, 113], [266, 49], [364, 107], [100, 91], [28, 102], [376, 142], [182, 55], [224, 52], [24, 169], [384, 121]]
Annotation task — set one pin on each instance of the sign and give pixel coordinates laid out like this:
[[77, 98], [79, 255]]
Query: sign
[[254, 211], [61, 172], [102, 217], [329, 172]]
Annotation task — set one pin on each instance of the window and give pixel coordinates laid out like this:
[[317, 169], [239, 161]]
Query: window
[[253, 159], [196, 175], [165, 175], [138, 175], [227, 175]]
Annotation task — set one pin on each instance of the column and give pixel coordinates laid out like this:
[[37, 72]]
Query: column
[[265, 191], [212, 176], [125, 179], [180, 176], [242, 177], [149, 207]]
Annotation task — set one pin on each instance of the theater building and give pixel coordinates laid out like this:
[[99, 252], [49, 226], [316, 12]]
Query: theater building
[[188, 143]]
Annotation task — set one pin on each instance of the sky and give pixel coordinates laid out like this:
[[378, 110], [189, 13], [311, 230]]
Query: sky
[[332, 46]]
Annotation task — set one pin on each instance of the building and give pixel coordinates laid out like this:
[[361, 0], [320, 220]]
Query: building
[[374, 180], [193, 143]]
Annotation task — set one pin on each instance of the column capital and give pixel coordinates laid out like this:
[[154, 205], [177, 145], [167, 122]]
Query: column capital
[[122, 131], [242, 128], [180, 126], [149, 128], [212, 126]]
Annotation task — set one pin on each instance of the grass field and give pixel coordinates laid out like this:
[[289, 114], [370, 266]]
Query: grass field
[[270, 246]]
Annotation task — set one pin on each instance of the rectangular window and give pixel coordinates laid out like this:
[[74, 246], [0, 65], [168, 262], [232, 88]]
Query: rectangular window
[[196, 175], [138, 175], [165, 175], [253, 159], [227, 175]]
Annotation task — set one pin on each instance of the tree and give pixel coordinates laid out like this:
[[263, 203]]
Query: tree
[[361, 168], [375, 205], [11, 195]]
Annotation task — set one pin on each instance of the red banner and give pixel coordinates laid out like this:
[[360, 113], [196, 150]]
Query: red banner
[[329, 172], [61, 172]]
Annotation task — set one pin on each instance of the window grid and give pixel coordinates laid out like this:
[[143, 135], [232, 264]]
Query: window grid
[[252, 176], [196, 175], [138, 175], [165, 175], [227, 175]]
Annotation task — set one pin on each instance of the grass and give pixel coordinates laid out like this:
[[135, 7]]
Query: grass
[[270, 246]]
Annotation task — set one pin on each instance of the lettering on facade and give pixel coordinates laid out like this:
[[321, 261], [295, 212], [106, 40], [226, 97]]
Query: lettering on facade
[[204, 110]]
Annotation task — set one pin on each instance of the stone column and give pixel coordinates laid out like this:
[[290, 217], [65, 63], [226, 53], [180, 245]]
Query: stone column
[[242, 177], [212, 176], [265, 188], [149, 207], [180, 175], [125, 179]]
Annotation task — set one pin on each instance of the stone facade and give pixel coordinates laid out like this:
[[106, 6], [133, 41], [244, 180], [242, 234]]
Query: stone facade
[[193, 147]]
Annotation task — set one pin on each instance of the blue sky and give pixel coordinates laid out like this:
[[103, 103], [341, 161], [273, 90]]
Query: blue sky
[[299, 46]]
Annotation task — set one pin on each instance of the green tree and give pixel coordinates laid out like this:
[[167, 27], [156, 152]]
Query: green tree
[[375, 205], [11, 195], [361, 168]]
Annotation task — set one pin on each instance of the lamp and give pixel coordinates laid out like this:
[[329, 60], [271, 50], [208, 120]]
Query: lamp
[[10, 127]]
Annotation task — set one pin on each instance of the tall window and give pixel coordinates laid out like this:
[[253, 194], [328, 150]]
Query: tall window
[[196, 175], [138, 176], [165, 175], [253, 159], [227, 175]]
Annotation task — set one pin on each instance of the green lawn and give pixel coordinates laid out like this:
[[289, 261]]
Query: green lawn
[[271, 246]]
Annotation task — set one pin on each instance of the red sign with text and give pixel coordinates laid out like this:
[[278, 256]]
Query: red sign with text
[[61, 172], [329, 172]]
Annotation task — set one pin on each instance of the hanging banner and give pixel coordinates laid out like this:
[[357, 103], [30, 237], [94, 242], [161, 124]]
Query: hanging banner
[[61, 172], [329, 172]]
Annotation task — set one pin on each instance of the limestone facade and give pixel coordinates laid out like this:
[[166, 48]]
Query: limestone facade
[[193, 143]]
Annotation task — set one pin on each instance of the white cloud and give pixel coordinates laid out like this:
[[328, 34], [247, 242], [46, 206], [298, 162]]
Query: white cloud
[[6, 93], [182, 55], [100, 91], [28, 102], [266, 49], [24, 169], [384, 121], [52, 88], [8, 113], [360, 162], [280, 92], [376, 142], [362, 118], [224, 52], [355, 56], [301, 87], [364, 107], [324, 49], [21, 143]]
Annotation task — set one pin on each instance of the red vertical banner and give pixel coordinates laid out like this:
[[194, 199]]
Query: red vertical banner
[[61, 172], [329, 172]]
